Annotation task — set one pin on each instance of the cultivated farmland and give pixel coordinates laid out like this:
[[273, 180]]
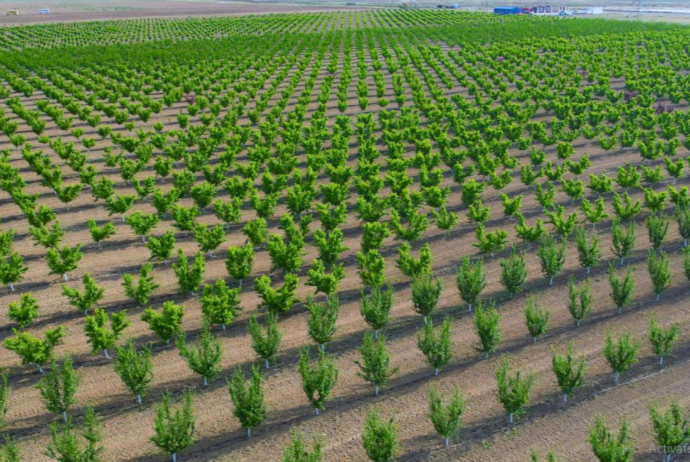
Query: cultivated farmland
[[351, 212]]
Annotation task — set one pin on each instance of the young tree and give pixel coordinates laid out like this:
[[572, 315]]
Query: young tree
[[204, 356], [579, 300], [166, 324], [657, 228], [265, 345], [551, 257], [83, 301], [286, 256], [376, 307], [608, 447], [588, 253], [375, 366], [185, 217], [536, 318], [486, 325], [662, 340], [189, 278], [425, 295], [141, 292], [621, 290], [621, 354], [58, 387], [322, 319], [48, 239], [119, 205], [513, 392], [380, 438], [142, 223], [373, 235], [12, 269], [24, 311], [240, 261], [220, 304], [372, 267], [247, 399], [470, 280], [446, 418], [4, 397], [659, 272], [410, 266], [330, 245], [513, 272], [174, 428], [671, 429], [100, 233], [318, 379], [228, 212], [277, 301], [570, 371], [66, 446], [33, 350], [134, 368], [682, 214], [61, 261], [322, 281], [256, 232], [10, 451], [162, 247], [623, 239], [296, 450], [436, 344], [100, 337], [209, 239]]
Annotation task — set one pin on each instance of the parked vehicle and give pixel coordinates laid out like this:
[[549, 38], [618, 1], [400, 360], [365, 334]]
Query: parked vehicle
[[44, 11]]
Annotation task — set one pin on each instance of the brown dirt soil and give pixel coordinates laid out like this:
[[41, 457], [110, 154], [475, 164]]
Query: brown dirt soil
[[486, 436], [128, 9]]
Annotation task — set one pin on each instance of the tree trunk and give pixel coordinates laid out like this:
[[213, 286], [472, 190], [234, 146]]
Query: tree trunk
[[376, 390], [534, 339], [615, 380], [588, 270], [661, 360], [105, 352], [550, 282], [267, 364], [174, 455], [435, 372], [99, 244], [205, 382], [86, 312], [249, 433], [64, 416], [223, 326], [316, 410], [510, 418], [139, 399], [64, 276], [322, 348], [40, 369], [620, 309], [11, 287], [578, 323], [143, 239], [447, 442], [657, 297], [240, 282], [469, 307], [565, 398]]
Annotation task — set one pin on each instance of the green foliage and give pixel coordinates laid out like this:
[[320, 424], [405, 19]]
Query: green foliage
[[83, 301], [33, 350], [61, 261], [167, 323], [623, 239], [99, 234], [204, 356], [486, 326], [189, 278], [470, 280], [142, 223], [134, 368], [143, 288], [256, 231], [265, 345], [240, 261], [411, 267], [380, 438], [607, 446], [24, 311], [174, 427], [371, 268], [446, 417], [66, 445], [376, 307], [101, 337], [490, 242], [425, 294], [435, 344], [625, 208], [551, 257], [657, 228], [569, 371], [671, 428], [280, 300], [621, 290], [588, 252], [662, 340], [48, 239], [162, 247], [620, 354], [209, 238], [286, 256], [579, 300], [58, 387], [513, 391], [513, 272], [318, 379], [322, 319], [375, 365], [659, 272], [220, 304], [536, 318]]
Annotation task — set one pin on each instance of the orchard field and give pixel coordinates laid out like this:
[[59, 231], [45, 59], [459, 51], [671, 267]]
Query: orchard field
[[315, 223]]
